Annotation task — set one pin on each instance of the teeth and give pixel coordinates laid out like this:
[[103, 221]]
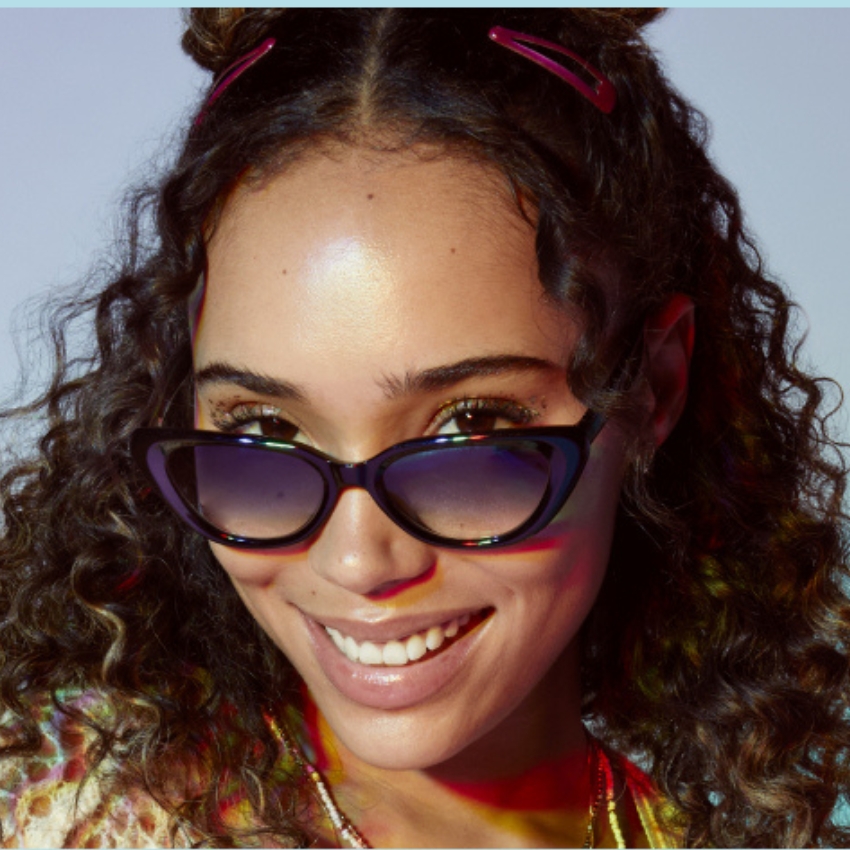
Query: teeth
[[370, 653], [415, 647], [351, 649], [434, 638], [397, 653], [338, 639]]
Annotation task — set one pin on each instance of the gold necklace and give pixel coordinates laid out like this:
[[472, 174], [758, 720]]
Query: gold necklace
[[595, 796], [343, 827], [605, 788], [346, 831]]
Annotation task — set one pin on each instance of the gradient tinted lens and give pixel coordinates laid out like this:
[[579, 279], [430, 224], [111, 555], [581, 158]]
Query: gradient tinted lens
[[248, 491], [470, 492]]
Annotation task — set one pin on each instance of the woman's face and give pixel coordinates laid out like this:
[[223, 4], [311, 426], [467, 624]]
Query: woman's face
[[345, 280]]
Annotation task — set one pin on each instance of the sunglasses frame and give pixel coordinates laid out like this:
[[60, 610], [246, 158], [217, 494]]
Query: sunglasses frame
[[151, 448]]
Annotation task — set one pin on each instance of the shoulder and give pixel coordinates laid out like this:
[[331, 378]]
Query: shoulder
[[48, 800]]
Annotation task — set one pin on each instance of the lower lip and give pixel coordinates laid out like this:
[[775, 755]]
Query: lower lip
[[388, 687]]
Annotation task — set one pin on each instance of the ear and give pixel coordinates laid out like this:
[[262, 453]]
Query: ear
[[668, 346]]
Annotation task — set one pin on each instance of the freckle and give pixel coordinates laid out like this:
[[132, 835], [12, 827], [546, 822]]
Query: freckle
[[284, 271], [454, 250], [370, 196]]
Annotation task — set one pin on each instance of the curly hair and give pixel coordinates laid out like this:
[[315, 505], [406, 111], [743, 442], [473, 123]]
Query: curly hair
[[717, 652]]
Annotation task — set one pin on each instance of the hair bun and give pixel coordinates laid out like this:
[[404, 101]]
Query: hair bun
[[215, 38], [615, 25], [638, 17]]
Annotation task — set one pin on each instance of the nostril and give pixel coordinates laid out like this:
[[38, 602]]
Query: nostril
[[388, 589]]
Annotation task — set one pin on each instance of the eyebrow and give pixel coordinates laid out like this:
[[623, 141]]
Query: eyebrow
[[444, 377], [255, 382], [426, 381]]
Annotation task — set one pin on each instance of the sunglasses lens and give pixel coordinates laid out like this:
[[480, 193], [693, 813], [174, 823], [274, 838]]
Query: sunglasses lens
[[248, 491], [470, 492]]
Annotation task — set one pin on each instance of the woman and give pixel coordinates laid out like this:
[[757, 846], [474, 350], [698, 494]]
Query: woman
[[452, 364]]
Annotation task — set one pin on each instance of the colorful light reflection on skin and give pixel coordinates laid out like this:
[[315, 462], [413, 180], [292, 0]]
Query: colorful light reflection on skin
[[341, 277], [538, 807]]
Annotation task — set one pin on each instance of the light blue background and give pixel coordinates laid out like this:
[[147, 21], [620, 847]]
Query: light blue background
[[87, 97]]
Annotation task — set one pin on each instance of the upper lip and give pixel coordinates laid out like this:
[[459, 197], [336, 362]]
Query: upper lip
[[395, 628]]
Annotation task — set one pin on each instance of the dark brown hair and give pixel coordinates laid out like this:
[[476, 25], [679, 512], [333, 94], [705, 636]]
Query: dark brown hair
[[717, 654]]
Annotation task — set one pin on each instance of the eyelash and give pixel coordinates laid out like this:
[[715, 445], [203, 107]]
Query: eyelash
[[512, 411], [245, 414], [499, 408]]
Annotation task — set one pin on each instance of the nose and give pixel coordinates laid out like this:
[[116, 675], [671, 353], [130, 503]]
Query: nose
[[363, 550]]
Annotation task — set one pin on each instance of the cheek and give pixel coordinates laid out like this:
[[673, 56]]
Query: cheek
[[246, 569], [247, 576], [258, 568], [569, 559], [567, 578], [259, 579]]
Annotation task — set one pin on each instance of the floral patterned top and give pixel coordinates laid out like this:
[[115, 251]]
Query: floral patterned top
[[45, 803]]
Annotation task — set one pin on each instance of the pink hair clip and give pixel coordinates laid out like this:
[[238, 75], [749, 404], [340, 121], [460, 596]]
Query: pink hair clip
[[233, 72], [603, 96]]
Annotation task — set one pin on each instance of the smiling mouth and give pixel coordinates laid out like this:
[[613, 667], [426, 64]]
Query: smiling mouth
[[408, 650]]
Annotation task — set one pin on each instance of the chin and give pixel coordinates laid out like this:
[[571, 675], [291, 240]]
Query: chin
[[398, 740]]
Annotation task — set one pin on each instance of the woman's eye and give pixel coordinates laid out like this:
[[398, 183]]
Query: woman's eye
[[481, 415], [469, 421], [279, 429], [257, 420]]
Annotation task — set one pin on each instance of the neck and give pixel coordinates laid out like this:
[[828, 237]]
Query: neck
[[525, 781]]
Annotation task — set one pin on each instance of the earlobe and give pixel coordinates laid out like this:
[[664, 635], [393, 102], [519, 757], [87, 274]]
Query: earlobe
[[669, 344]]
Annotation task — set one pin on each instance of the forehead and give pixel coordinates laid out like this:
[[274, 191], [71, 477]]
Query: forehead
[[360, 259]]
